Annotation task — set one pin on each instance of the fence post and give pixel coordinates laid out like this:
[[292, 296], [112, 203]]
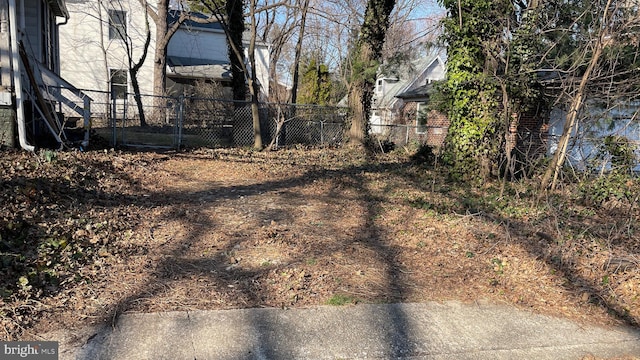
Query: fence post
[[277, 133], [321, 132], [406, 139], [114, 122], [125, 110], [180, 120]]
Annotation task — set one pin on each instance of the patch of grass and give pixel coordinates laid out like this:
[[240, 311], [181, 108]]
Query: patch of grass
[[340, 299], [421, 203]]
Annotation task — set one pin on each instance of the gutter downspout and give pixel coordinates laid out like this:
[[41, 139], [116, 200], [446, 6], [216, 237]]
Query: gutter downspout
[[17, 79]]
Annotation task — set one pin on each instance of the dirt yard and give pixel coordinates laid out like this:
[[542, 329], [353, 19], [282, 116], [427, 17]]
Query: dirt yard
[[88, 236]]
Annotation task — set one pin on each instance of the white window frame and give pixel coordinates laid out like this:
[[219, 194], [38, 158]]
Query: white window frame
[[117, 24], [379, 86], [112, 84]]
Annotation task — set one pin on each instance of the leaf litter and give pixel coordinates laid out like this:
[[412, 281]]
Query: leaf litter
[[86, 236]]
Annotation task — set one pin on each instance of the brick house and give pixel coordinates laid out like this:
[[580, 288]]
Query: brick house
[[386, 106], [527, 133], [430, 126]]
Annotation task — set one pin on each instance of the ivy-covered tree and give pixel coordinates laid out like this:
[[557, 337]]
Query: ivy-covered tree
[[473, 32], [368, 52], [509, 55]]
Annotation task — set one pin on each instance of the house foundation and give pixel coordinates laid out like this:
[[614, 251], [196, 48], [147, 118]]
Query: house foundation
[[7, 126]]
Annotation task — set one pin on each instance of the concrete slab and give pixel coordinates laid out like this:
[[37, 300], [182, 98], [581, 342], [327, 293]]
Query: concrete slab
[[450, 330]]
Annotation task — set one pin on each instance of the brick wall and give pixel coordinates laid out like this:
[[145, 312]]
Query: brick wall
[[528, 131], [532, 133], [436, 129]]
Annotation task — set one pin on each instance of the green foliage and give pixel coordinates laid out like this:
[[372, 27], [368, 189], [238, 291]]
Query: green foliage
[[364, 70], [49, 156], [622, 152], [40, 259], [608, 187], [473, 141], [619, 183], [340, 299], [376, 23], [316, 86], [469, 94]]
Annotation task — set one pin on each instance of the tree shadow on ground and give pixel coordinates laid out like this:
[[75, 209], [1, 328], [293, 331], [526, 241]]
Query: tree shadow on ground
[[249, 286], [247, 283]]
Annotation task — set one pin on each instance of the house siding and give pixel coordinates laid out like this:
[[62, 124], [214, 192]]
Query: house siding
[[212, 45], [5, 57], [187, 43], [83, 50], [384, 101], [33, 28]]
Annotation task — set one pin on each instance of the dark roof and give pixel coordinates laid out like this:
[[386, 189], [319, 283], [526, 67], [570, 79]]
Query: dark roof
[[198, 68], [187, 61], [421, 92], [173, 16], [59, 8]]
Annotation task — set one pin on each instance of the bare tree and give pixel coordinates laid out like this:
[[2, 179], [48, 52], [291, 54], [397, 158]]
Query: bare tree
[[278, 26], [164, 32], [603, 70], [296, 63], [130, 40], [253, 81], [135, 66]]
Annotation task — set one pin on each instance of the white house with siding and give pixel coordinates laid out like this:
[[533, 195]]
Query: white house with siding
[[386, 106], [94, 54], [199, 51], [96, 57]]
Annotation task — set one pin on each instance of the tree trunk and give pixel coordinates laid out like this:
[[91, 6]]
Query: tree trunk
[[137, 97], [253, 81], [160, 58], [296, 62], [360, 104], [370, 43], [235, 14], [134, 68]]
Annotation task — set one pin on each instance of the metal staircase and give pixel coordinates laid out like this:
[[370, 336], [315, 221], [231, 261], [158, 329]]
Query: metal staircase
[[51, 98]]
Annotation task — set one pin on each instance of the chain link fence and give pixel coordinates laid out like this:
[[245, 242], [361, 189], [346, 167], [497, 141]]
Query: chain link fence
[[403, 135], [170, 122]]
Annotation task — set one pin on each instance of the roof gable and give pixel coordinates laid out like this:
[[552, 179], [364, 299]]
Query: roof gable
[[410, 76]]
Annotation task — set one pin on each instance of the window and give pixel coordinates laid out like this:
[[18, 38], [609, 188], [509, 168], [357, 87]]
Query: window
[[118, 83], [421, 118], [117, 24], [379, 86]]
